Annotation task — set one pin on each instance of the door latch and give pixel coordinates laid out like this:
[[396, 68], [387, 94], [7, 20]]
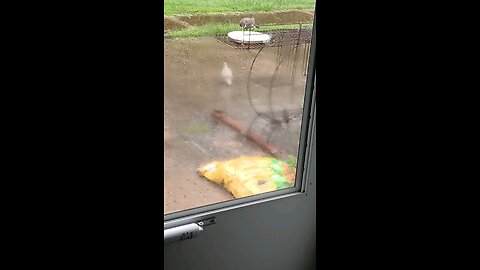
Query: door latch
[[207, 222]]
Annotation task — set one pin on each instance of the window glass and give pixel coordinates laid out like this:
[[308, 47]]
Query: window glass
[[234, 80]]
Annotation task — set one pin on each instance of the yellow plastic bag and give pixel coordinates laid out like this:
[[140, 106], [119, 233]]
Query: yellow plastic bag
[[245, 176]]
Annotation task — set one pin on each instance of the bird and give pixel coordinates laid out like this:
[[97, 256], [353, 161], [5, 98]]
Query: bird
[[248, 23], [227, 74]]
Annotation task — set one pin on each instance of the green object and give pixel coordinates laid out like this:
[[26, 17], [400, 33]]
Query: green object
[[280, 181], [283, 185], [277, 177], [276, 166]]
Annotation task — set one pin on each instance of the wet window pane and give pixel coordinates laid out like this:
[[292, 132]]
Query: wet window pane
[[234, 90]]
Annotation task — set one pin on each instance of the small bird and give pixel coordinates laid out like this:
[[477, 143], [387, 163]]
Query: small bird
[[248, 23], [227, 74]]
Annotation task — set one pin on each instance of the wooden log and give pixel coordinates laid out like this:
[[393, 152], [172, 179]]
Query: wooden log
[[223, 117]]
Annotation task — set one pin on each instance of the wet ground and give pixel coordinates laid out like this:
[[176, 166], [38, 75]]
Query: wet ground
[[194, 88]]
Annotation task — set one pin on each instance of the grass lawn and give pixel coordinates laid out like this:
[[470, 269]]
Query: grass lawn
[[181, 7]]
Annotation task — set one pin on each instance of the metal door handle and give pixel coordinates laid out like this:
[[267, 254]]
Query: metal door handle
[[181, 233], [185, 232]]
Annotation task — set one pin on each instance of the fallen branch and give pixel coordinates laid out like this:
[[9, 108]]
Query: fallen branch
[[223, 117]]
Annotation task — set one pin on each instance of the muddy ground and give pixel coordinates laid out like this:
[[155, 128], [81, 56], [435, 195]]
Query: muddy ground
[[194, 88]]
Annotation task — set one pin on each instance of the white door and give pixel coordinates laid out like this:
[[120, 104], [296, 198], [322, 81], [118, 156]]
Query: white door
[[209, 224]]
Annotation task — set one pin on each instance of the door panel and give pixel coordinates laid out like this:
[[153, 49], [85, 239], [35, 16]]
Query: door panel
[[279, 234], [272, 231]]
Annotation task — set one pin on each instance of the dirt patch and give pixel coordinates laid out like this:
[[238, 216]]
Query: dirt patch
[[280, 17], [170, 23]]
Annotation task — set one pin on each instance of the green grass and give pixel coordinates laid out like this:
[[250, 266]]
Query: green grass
[[182, 7], [204, 30], [222, 29]]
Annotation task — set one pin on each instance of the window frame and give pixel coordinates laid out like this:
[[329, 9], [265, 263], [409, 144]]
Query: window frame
[[301, 186]]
